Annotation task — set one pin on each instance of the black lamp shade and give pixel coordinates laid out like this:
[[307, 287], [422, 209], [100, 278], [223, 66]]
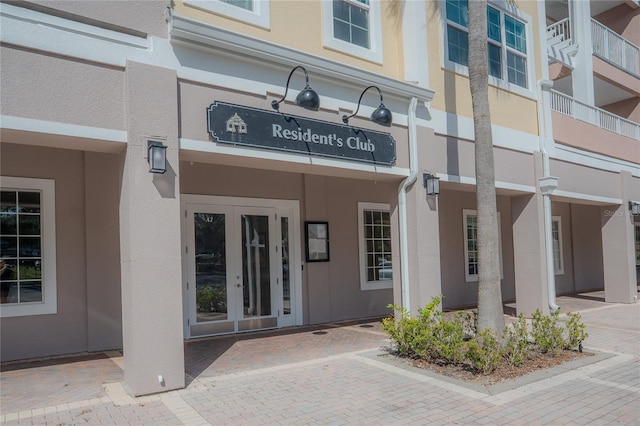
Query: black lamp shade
[[308, 99], [382, 116]]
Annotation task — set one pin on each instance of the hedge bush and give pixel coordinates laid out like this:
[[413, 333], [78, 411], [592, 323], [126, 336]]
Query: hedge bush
[[432, 337]]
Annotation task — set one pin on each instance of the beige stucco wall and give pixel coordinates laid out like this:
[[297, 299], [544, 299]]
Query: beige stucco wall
[[88, 315], [146, 16], [331, 290], [585, 180], [298, 25], [456, 291], [452, 90], [457, 157], [51, 88], [587, 247]]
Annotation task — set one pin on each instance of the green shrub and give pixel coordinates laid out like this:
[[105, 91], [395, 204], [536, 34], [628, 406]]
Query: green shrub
[[423, 336], [432, 337], [402, 332], [484, 351], [516, 341], [546, 333], [575, 330], [446, 343]]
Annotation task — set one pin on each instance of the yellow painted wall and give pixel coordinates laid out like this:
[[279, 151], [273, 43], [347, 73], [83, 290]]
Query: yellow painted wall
[[452, 90], [298, 24]]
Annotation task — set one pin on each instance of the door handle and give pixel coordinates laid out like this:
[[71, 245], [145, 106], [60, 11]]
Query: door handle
[[239, 285]]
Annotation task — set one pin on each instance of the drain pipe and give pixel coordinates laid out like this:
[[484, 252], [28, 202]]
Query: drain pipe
[[547, 185], [402, 203]]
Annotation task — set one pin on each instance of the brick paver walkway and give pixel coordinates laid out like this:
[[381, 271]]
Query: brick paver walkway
[[332, 375]]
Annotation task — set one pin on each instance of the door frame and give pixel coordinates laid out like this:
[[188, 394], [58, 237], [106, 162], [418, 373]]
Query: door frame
[[288, 208]]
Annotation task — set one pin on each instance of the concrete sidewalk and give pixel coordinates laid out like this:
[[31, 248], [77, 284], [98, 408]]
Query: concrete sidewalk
[[331, 375]]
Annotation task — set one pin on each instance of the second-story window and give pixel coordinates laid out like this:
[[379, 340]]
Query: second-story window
[[353, 27], [254, 12], [244, 4], [506, 38], [351, 21]]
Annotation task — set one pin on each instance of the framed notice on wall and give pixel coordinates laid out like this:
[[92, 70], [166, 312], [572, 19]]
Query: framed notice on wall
[[317, 241]]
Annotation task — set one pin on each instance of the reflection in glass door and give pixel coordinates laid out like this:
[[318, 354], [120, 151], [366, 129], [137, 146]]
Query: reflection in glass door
[[239, 268], [233, 267], [256, 270], [210, 267]]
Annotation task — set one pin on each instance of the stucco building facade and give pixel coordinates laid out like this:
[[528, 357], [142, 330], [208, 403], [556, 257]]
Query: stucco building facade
[[275, 217]]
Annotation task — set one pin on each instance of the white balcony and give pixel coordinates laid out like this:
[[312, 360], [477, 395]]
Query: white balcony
[[615, 49], [606, 44], [593, 115]]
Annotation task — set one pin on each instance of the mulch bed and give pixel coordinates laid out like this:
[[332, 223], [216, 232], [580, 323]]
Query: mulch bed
[[534, 362]]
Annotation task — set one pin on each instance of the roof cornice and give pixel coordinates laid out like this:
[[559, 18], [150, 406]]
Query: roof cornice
[[196, 33]]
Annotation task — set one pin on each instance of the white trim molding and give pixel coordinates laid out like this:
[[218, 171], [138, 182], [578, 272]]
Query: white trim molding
[[448, 124], [37, 30], [253, 153], [558, 257], [49, 304], [467, 213], [194, 33], [365, 284], [258, 16], [504, 7], [374, 52], [61, 129]]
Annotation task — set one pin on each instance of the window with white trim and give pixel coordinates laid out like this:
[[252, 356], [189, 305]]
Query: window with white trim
[[374, 228], [353, 27], [637, 226], [556, 239], [255, 12], [506, 38], [470, 224], [27, 247]]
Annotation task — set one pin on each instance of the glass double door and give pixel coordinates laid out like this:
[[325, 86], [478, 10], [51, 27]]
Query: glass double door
[[238, 278]]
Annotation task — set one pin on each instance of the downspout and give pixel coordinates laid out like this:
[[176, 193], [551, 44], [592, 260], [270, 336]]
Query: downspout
[[548, 184], [402, 203]]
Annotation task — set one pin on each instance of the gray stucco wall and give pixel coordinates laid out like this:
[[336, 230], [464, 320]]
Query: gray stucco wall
[[88, 315], [331, 290]]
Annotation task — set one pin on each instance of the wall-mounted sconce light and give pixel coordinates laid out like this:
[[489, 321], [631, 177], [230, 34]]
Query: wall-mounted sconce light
[[381, 115], [634, 208], [431, 183], [307, 98], [157, 157]]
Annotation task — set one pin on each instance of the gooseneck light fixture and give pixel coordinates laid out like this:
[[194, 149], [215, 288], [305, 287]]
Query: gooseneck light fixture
[[431, 183], [307, 98], [157, 157], [380, 115]]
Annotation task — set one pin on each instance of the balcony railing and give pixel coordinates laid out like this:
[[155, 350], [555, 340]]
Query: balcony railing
[[561, 28], [616, 49], [593, 115]]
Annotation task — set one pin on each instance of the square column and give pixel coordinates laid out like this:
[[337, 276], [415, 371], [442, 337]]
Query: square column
[[529, 254], [423, 233], [618, 247], [150, 244]]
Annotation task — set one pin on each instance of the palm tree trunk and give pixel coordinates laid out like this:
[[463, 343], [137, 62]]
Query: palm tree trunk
[[490, 314]]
